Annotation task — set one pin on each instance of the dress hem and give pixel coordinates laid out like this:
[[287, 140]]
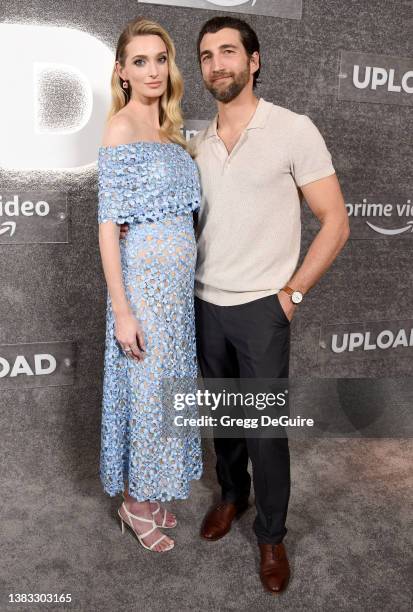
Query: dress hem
[[168, 498]]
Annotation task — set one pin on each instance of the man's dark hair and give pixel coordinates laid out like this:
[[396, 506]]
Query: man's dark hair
[[248, 36]]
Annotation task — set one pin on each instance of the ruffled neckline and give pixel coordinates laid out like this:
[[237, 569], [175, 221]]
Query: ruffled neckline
[[140, 143]]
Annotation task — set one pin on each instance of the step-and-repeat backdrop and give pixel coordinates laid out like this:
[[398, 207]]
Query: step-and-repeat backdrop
[[348, 66]]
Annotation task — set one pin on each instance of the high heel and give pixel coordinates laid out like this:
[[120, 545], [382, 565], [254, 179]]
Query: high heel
[[140, 536], [163, 526]]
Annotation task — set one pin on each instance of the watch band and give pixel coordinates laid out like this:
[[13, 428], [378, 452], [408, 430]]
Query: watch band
[[295, 295]]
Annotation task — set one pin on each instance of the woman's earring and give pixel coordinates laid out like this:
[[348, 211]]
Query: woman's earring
[[125, 85]]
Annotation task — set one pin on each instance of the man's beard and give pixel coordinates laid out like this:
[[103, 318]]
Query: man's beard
[[233, 90]]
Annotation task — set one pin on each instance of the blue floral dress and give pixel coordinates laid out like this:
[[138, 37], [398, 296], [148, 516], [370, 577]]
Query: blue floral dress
[[155, 188]]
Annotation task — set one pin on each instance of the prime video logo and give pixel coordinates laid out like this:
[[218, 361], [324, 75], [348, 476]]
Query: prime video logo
[[375, 214], [33, 217], [14, 208], [219, 3], [200, 3], [291, 9], [232, 2]]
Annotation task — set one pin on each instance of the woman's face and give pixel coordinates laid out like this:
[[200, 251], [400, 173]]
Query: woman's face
[[146, 66]]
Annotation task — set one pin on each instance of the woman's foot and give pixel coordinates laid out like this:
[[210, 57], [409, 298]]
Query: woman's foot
[[162, 516], [143, 510]]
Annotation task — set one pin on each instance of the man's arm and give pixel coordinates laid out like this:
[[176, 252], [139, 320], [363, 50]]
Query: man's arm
[[326, 201]]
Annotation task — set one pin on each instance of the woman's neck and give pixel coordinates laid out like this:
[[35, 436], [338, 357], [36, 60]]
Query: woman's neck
[[148, 111]]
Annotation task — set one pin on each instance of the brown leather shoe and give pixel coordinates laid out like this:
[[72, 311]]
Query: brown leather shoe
[[275, 569], [218, 520]]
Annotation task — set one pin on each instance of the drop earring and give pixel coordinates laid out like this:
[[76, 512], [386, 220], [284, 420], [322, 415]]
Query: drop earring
[[125, 85]]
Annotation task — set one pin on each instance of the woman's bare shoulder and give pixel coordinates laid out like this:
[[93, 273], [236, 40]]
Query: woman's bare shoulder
[[120, 129]]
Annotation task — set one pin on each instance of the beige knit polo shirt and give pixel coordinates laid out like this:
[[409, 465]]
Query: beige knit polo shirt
[[249, 230]]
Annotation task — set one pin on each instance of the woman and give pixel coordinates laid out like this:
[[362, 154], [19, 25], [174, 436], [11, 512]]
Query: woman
[[147, 179]]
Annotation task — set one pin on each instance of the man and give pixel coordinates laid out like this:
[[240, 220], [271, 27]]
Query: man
[[253, 159]]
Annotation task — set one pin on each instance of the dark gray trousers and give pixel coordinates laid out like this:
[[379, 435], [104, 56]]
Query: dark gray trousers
[[249, 341]]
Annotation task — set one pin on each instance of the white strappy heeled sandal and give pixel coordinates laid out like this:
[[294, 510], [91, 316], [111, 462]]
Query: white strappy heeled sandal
[[140, 536], [158, 507]]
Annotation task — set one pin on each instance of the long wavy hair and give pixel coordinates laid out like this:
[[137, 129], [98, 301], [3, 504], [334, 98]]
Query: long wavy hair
[[170, 113]]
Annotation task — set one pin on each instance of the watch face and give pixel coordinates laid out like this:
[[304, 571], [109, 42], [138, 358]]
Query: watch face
[[297, 297]]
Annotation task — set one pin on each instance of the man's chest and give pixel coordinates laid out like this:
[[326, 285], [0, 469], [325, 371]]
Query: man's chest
[[245, 170], [230, 140]]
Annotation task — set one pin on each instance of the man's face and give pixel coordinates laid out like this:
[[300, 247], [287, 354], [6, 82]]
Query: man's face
[[226, 67]]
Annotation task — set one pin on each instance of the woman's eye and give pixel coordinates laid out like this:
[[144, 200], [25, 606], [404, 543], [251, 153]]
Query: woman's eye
[[139, 62], [162, 59]]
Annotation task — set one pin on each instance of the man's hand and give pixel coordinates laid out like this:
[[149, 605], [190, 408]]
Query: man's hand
[[124, 228], [286, 304]]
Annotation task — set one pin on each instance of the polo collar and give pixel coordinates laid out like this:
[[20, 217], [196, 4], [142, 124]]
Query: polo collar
[[258, 120]]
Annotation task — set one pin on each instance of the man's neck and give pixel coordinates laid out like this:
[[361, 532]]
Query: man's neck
[[237, 113]]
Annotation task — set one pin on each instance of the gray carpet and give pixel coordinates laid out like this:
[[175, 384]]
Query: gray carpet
[[349, 540]]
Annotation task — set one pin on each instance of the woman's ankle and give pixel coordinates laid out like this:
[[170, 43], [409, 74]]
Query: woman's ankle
[[137, 507]]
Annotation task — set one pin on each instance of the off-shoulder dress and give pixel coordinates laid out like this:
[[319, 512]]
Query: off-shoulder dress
[[154, 187]]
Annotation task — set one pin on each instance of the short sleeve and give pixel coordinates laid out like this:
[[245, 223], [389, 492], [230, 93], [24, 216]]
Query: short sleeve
[[110, 187], [309, 157]]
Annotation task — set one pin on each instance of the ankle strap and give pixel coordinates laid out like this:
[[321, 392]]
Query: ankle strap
[[139, 518]]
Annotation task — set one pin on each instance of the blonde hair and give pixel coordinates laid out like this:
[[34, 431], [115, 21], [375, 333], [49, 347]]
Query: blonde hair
[[170, 113]]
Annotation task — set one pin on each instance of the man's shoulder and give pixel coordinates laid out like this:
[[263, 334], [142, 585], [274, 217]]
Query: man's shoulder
[[289, 124], [281, 115]]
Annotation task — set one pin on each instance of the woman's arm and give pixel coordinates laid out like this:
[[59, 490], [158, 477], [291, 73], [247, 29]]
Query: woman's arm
[[127, 329], [110, 254]]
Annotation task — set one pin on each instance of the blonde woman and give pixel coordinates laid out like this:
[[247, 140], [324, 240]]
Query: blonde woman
[[148, 180]]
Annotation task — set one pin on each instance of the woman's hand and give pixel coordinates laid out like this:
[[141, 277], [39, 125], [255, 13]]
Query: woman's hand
[[129, 334]]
